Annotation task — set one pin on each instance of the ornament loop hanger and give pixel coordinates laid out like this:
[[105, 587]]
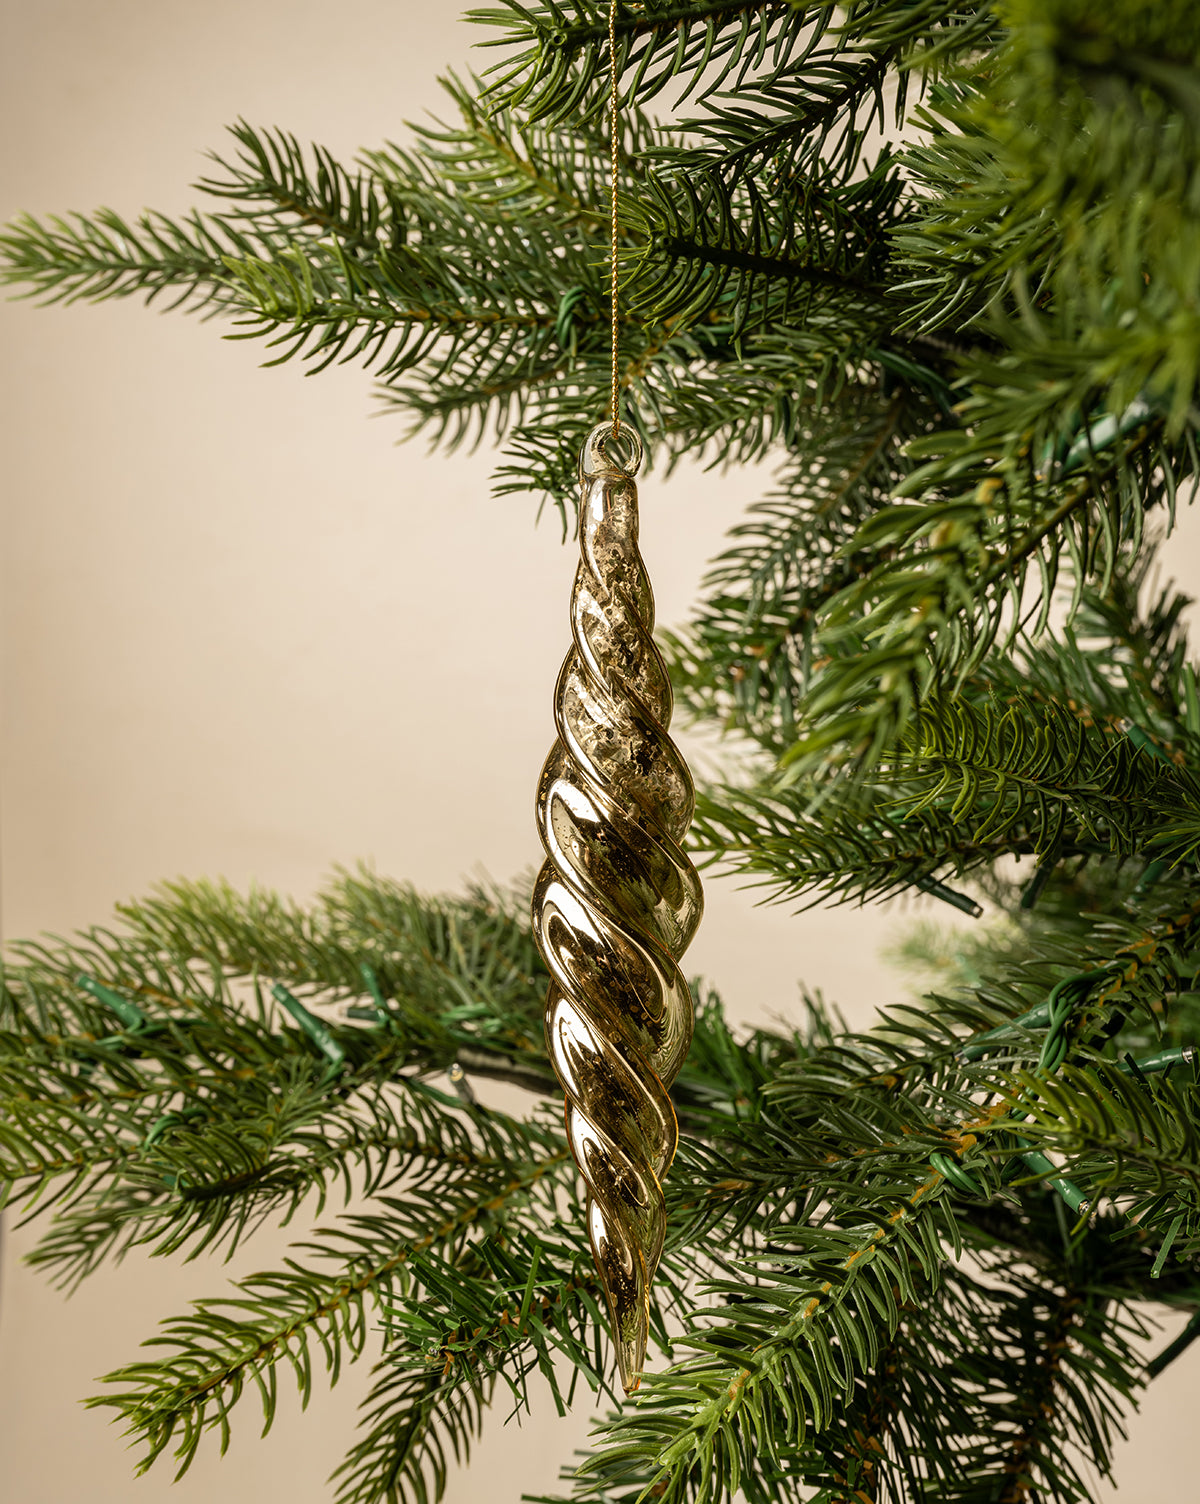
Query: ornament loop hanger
[[606, 448]]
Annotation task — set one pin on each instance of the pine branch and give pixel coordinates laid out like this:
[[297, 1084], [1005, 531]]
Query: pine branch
[[561, 71], [759, 1356], [271, 172], [709, 245], [747, 655], [909, 1432], [809, 113], [793, 1128], [953, 571], [972, 782], [227, 1345], [164, 1205], [1019, 761], [500, 158], [92, 1126], [69, 260], [558, 74], [1038, 1403], [443, 1366], [1061, 1403], [1122, 1130]]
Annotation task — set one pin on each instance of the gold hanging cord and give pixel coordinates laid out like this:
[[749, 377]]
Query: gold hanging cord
[[614, 139]]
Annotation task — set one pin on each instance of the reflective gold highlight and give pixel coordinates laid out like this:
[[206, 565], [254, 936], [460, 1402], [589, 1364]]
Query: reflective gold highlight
[[617, 901]]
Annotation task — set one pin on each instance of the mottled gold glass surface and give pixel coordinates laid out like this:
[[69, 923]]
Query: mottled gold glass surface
[[617, 900]]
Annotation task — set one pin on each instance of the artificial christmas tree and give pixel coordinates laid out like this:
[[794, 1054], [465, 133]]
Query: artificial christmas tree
[[902, 1264]]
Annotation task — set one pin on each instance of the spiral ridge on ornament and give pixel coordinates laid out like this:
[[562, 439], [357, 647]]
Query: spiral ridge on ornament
[[617, 900]]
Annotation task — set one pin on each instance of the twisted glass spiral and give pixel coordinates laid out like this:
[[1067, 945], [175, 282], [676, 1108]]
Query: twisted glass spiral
[[617, 900]]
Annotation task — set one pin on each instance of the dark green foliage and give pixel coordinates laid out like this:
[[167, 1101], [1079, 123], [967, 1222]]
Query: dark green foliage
[[942, 263], [1073, 749], [819, 1172]]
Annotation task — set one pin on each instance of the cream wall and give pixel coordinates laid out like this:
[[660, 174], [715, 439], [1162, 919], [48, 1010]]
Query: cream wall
[[246, 634]]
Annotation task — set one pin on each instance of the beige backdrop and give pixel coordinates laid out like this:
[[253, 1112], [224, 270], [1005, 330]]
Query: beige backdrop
[[245, 634]]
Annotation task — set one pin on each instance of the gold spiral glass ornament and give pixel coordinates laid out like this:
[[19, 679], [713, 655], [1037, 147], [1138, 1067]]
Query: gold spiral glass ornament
[[617, 900]]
